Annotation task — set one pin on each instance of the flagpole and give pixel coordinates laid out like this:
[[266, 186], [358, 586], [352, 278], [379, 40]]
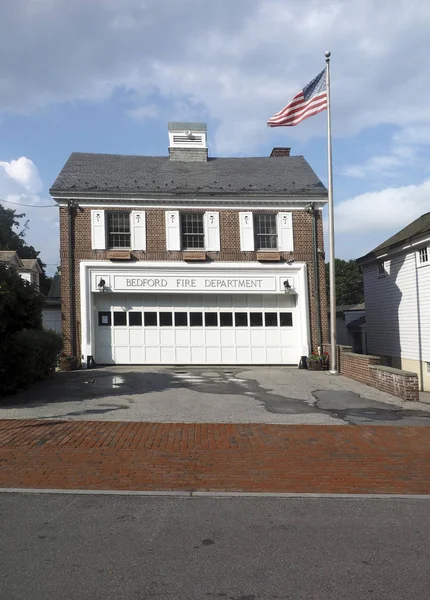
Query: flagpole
[[333, 361]]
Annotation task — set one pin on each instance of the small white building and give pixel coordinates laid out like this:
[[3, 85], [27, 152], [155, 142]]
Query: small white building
[[397, 295], [28, 268]]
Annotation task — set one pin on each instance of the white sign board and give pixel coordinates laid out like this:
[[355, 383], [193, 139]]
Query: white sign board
[[207, 283]]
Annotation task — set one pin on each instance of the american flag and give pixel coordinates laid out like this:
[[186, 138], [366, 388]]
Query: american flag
[[311, 100]]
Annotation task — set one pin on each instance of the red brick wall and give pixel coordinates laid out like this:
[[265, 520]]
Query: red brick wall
[[368, 370], [156, 244]]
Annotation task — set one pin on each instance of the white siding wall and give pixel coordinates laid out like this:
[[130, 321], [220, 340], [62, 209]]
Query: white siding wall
[[423, 278], [392, 309], [52, 319]]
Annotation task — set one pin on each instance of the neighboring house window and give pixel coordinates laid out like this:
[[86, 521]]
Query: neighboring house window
[[118, 230], [266, 237], [381, 269], [423, 256], [193, 236]]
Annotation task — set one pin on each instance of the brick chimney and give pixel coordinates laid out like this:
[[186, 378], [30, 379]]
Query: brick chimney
[[188, 142], [280, 152]]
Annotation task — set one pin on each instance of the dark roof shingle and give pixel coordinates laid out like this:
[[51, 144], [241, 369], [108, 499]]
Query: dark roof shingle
[[114, 173], [417, 228]]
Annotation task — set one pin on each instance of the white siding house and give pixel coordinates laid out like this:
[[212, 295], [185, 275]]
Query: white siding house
[[397, 295]]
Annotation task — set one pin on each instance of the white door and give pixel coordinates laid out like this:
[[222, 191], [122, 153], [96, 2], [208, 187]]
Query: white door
[[196, 329]]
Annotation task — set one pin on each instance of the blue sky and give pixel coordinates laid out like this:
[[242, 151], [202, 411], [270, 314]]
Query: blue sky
[[107, 76]]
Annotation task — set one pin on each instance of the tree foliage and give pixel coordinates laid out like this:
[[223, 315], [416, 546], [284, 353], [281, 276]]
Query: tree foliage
[[12, 237], [349, 282], [20, 304]]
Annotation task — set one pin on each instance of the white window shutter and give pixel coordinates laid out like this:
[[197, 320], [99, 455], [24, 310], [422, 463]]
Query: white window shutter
[[98, 230], [173, 230], [285, 231], [212, 237], [138, 229], [246, 231]]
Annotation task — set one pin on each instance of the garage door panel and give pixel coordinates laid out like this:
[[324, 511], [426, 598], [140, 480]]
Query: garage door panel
[[273, 354], [258, 337], [152, 337], [167, 355], [167, 337], [243, 337], [197, 355], [121, 337], [243, 355], [197, 337], [182, 337], [228, 337], [137, 355], [152, 354], [136, 337], [213, 355], [287, 336], [183, 354], [273, 337], [213, 337], [258, 355], [228, 355], [122, 354]]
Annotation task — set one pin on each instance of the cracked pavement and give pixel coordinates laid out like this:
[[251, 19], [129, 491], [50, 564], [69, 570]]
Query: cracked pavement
[[213, 395]]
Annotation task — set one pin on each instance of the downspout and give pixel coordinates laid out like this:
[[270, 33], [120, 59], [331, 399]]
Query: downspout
[[72, 319], [316, 275]]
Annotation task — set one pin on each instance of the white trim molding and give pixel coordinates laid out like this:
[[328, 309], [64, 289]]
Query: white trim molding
[[184, 278]]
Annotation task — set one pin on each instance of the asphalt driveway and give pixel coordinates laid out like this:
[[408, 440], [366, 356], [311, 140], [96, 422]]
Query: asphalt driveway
[[211, 395]]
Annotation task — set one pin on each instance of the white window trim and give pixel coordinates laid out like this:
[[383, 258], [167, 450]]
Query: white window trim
[[119, 248], [420, 264], [384, 273]]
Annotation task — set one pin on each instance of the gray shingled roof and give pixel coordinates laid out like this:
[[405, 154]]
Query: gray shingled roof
[[28, 262], [417, 228], [114, 173], [6, 255]]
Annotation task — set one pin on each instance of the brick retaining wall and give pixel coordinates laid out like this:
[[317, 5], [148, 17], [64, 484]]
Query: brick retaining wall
[[368, 370]]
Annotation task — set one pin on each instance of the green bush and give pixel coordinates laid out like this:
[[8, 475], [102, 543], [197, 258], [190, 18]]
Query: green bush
[[20, 304], [29, 355]]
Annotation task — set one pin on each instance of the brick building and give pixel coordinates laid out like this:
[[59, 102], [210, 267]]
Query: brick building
[[187, 259]]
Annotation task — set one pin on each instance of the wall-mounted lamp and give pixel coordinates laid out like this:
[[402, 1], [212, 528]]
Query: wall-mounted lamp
[[288, 289], [102, 285]]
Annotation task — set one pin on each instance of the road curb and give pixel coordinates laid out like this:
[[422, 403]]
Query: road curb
[[196, 494]]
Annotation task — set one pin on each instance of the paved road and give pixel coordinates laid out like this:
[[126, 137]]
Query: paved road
[[124, 548], [217, 395]]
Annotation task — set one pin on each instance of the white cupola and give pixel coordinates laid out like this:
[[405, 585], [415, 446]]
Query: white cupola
[[188, 142]]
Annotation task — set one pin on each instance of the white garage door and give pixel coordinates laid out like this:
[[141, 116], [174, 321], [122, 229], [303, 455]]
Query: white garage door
[[196, 329]]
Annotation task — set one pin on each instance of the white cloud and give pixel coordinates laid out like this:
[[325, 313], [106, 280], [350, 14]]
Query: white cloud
[[24, 172], [385, 211], [233, 61], [20, 184]]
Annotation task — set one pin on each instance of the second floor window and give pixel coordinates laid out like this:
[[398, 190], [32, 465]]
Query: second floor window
[[192, 230], [118, 230], [266, 237]]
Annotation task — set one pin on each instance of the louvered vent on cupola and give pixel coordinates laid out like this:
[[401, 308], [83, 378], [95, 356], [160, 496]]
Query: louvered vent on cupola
[[188, 142]]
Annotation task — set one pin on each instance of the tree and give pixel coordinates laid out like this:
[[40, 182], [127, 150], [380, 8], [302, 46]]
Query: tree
[[349, 282], [20, 304], [13, 240]]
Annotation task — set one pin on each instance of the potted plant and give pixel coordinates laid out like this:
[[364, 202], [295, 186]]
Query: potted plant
[[67, 362], [318, 362]]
